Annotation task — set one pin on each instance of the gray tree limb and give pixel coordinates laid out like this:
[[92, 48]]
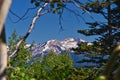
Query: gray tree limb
[[29, 30]]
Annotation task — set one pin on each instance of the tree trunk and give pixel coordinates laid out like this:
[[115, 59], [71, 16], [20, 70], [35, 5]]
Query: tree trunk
[[4, 6], [109, 18]]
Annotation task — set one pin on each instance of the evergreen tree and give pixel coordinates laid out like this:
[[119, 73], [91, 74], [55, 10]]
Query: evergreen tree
[[109, 32], [109, 35]]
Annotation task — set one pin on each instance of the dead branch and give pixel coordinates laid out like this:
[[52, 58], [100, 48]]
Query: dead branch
[[20, 18], [75, 13]]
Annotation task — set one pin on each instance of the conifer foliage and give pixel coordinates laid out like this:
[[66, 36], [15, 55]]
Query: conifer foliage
[[109, 35], [108, 31]]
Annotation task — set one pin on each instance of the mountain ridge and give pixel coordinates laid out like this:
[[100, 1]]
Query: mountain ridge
[[58, 46]]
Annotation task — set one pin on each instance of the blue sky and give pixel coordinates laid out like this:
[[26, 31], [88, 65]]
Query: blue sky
[[47, 26]]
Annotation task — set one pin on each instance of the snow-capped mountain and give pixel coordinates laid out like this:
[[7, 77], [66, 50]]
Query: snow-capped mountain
[[58, 46]]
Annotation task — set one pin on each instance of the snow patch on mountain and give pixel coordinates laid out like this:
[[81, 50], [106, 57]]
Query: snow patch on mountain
[[58, 46]]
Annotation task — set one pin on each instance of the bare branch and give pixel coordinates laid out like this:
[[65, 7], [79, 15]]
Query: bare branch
[[29, 30], [103, 14], [21, 18], [82, 7], [60, 20], [77, 14]]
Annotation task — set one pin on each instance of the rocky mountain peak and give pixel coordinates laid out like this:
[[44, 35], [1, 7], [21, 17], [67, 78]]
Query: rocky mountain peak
[[58, 46]]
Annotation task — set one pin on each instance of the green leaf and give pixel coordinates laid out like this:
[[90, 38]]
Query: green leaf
[[58, 11], [54, 10]]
